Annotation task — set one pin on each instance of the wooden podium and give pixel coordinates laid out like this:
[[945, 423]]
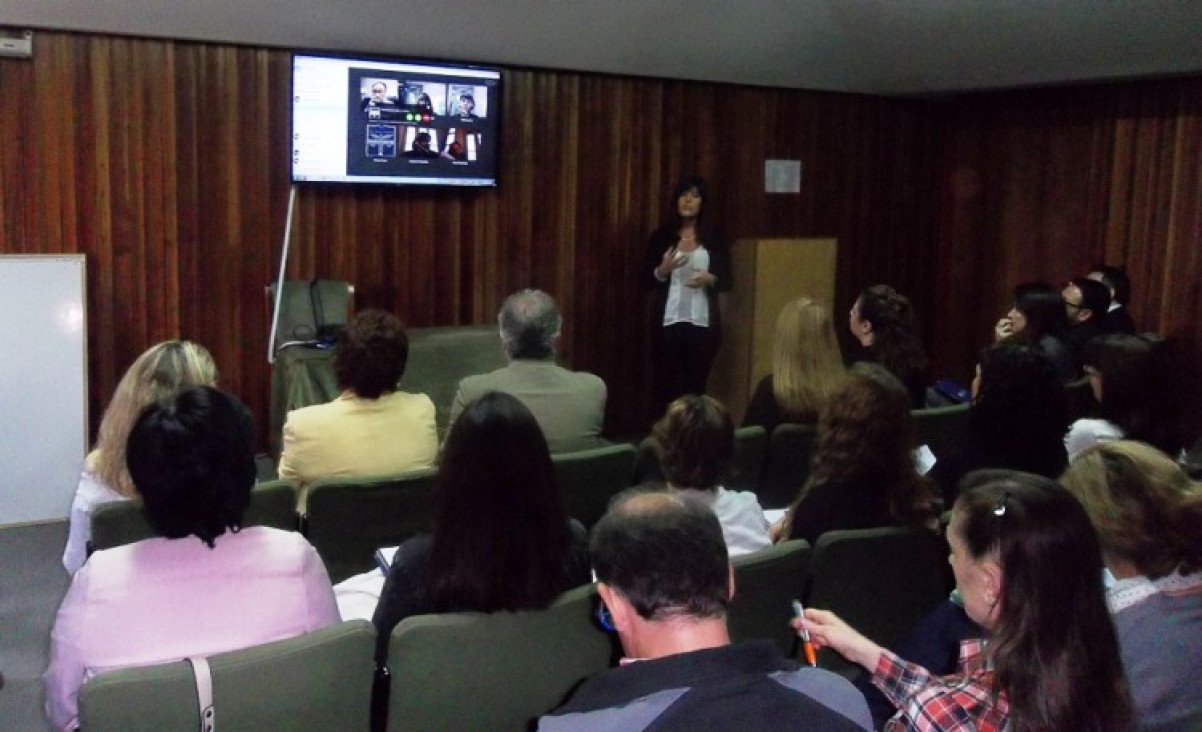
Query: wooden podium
[[767, 274]]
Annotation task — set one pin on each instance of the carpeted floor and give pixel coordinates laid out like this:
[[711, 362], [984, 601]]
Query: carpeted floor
[[32, 583]]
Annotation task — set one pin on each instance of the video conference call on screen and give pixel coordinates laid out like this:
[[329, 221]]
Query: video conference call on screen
[[398, 123], [385, 121]]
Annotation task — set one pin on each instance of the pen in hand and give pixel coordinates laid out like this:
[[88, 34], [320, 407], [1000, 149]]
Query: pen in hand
[[806, 644]]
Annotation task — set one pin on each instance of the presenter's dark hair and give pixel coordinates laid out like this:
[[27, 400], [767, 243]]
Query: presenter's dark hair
[[665, 553], [371, 354], [703, 225], [192, 459], [500, 527], [1020, 413], [695, 441], [1053, 645]]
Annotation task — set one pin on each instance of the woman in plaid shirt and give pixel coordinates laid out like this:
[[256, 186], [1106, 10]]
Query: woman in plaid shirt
[[1027, 563]]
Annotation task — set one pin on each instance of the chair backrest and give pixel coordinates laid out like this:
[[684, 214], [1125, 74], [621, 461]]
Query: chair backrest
[[499, 671], [787, 465], [751, 450], [766, 583], [348, 519], [939, 427], [881, 581], [321, 680], [589, 478], [439, 358], [123, 522]]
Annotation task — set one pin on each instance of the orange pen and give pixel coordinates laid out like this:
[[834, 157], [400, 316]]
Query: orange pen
[[806, 644]]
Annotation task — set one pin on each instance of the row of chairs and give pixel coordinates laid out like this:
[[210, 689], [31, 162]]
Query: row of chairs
[[473, 671], [348, 519]]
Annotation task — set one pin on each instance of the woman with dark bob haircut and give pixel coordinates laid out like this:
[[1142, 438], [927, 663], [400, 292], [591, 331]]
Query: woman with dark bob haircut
[[882, 320], [371, 428], [1017, 419], [695, 441], [1026, 562], [1037, 318], [1131, 379], [206, 585], [862, 473], [501, 539], [1148, 514]]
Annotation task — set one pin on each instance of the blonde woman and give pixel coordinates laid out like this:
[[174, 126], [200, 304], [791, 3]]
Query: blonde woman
[[806, 367], [159, 373]]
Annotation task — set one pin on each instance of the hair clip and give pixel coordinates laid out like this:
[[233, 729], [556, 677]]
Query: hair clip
[[999, 508]]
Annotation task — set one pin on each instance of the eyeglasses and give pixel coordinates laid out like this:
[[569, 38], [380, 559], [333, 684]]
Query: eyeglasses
[[1073, 305], [604, 618]]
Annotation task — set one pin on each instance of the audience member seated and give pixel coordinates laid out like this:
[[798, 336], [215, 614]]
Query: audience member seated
[[1037, 317], [862, 472], [882, 320], [806, 366], [665, 580], [502, 539], [1118, 317], [695, 441], [159, 373], [569, 405], [1017, 419], [1085, 304], [1132, 381], [1026, 562], [205, 585], [1148, 515], [371, 428]]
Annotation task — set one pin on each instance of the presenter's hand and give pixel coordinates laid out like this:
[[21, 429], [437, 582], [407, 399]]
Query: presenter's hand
[[671, 261], [701, 279]]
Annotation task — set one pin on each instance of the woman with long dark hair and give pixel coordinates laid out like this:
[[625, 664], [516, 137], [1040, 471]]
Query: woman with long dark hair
[[1037, 317], [1148, 514], [686, 264], [501, 539], [1131, 380], [1026, 561], [862, 473], [1017, 419], [882, 320]]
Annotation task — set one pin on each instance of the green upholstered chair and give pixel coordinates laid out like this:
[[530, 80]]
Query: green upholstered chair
[[787, 464], [881, 581], [499, 671], [589, 478], [766, 583], [348, 519], [318, 681], [122, 522], [938, 427], [439, 358]]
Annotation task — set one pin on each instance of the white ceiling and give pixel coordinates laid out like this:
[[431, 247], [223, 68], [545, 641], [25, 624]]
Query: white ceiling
[[903, 47]]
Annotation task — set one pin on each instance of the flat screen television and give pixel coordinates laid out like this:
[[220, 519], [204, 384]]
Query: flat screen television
[[373, 121]]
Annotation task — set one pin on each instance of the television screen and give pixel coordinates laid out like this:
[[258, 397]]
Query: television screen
[[362, 120]]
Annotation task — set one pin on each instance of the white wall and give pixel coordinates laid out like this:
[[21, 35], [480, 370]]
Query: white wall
[[43, 384]]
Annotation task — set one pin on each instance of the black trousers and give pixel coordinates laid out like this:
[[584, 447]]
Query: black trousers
[[681, 363]]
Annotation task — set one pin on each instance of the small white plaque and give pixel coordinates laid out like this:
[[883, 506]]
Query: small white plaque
[[782, 176]]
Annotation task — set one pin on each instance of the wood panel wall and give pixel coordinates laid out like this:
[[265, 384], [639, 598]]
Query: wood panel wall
[[1046, 184], [166, 163]]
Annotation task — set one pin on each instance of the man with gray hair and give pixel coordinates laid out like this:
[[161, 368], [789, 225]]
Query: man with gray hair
[[569, 405]]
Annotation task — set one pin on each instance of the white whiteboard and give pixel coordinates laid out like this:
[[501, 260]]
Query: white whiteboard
[[43, 384]]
